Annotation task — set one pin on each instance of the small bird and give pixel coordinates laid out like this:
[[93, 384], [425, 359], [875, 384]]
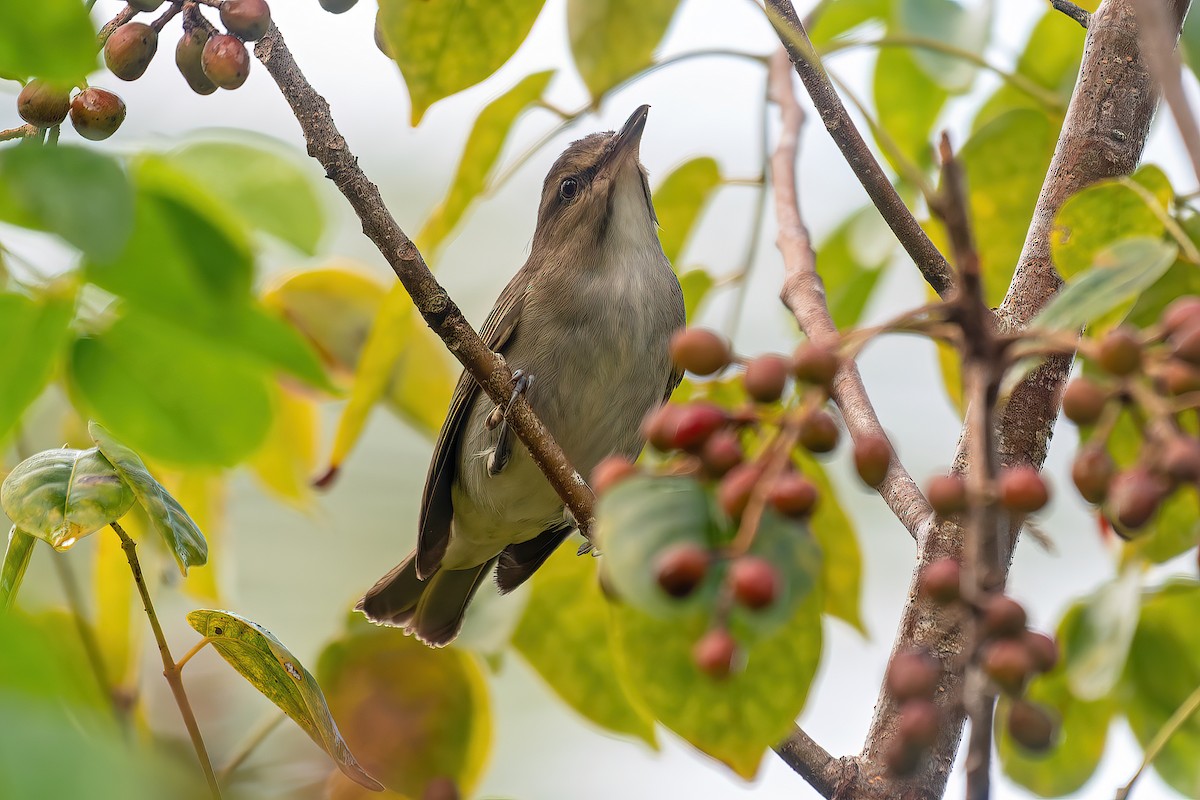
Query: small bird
[[585, 324]]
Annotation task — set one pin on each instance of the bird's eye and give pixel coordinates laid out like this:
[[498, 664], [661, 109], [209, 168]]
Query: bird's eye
[[568, 189]]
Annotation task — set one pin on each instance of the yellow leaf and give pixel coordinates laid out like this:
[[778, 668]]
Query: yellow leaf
[[286, 461], [117, 626], [203, 495]]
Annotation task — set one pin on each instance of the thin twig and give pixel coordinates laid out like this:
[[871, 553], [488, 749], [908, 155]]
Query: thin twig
[[124, 15], [916, 243], [1080, 15], [249, 745], [328, 146], [19, 132], [812, 762], [804, 295], [169, 670], [166, 16], [1169, 729]]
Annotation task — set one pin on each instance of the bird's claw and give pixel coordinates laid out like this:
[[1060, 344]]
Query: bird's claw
[[521, 383]]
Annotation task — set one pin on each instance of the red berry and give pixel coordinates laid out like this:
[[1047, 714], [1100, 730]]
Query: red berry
[[225, 61], [1008, 663], [659, 427], [694, 423], [793, 495], [1185, 344], [700, 351], [1178, 377], [1092, 472], [188, 55], [249, 19], [947, 494], [918, 724], [1135, 495], [913, 676], [1181, 313], [97, 113], [755, 582], [722, 452], [130, 49], [1181, 459], [1003, 617], [611, 471], [1120, 352], [733, 492], [43, 104], [872, 455], [818, 432], [1043, 650], [1083, 401], [714, 654], [814, 364], [681, 568], [1031, 726], [941, 581], [766, 377], [1023, 490]]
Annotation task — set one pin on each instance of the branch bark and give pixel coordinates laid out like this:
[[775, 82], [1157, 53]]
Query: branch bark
[[327, 146], [803, 55]]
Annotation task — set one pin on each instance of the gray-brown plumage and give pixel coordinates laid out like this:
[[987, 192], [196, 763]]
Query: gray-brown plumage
[[589, 317]]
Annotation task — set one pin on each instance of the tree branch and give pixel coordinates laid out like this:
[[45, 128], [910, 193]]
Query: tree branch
[[804, 294], [327, 146], [822, 771], [1080, 15], [916, 243]]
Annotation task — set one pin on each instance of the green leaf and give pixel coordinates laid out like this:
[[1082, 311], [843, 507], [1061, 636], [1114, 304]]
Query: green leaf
[[696, 284], [270, 668], [63, 495], [411, 713], [612, 40], [563, 634], [1163, 671], [170, 394], [50, 39], [1105, 213], [169, 520], [16, 560], [680, 199], [908, 102], [1119, 274], [967, 28], [1082, 732], [851, 261], [34, 332], [844, 16], [841, 565], [78, 194], [1100, 635], [1005, 162], [445, 46], [272, 192], [479, 158]]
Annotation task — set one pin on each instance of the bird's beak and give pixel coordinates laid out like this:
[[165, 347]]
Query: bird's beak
[[626, 143]]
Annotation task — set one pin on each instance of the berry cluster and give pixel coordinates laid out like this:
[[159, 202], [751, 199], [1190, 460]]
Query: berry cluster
[[1154, 375], [1019, 489], [207, 59]]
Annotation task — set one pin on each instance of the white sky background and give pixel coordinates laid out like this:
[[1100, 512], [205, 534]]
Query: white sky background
[[705, 107]]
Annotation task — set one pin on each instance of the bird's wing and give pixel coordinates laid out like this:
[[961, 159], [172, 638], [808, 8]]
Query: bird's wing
[[436, 507]]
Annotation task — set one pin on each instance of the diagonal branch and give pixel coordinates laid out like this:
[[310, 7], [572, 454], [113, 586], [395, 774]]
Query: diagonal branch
[[804, 294], [803, 55], [327, 146]]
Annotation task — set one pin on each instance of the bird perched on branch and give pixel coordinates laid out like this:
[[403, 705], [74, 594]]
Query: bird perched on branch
[[585, 324]]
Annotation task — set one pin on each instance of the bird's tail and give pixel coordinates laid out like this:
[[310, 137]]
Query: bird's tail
[[432, 609]]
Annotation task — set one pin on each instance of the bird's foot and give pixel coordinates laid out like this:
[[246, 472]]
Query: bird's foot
[[521, 383], [500, 455]]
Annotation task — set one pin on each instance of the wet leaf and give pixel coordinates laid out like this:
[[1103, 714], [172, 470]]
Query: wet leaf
[[34, 332], [17, 554], [612, 40], [479, 158], [412, 713], [270, 668], [564, 637], [63, 495], [443, 47], [679, 201], [167, 517]]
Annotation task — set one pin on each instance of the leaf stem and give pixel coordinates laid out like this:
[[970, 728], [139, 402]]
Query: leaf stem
[[179, 665], [1172, 726], [170, 671]]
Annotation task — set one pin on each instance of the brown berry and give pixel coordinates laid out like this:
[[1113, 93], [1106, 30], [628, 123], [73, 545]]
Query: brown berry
[[1181, 459], [1135, 495], [793, 495], [1183, 312], [1023, 490], [918, 724], [814, 364], [611, 471], [700, 351], [1083, 401], [249, 19], [43, 104], [1092, 472], [681, 568], [130, 49], [1179, 377], [338, 6], [766, 377], [818, 432], [714, 654], [721, 453], [941, 581], [755, 582], [146, 5], [1008, 663], [97, 113], [912, 676], [1043, 650], [947, 494], [188, 54], [872, 455], [225, 61], [659, 426], [1185, 344], [1003, 617], [440, 789], [1120, 352], [733, 493], [1031, 726], [902, 758], [694, 423]]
